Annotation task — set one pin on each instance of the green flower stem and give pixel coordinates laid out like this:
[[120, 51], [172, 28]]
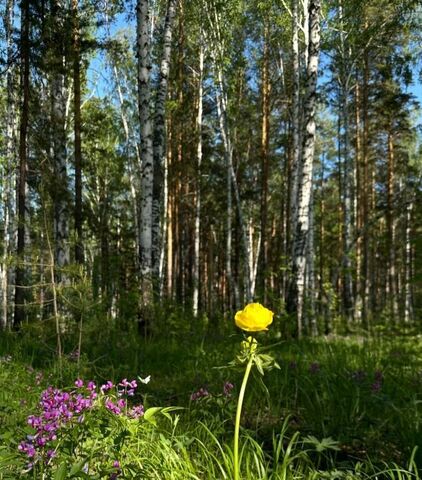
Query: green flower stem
[[238, 414]]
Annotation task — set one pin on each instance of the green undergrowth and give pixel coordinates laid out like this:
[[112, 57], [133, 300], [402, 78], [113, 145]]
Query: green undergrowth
[[340, 407]]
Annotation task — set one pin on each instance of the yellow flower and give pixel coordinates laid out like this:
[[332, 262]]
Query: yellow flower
[[254, 318]]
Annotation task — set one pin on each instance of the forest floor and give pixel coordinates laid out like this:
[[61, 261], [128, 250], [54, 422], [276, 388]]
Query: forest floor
[[339, 407]]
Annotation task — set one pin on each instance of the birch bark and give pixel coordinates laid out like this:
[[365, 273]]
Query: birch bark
[[348, 173], [146, 130], [302, 232], [9, 176], [408, 296], [159, 137], [295, 120], [58, 120], [197, 240], [79, 251], [265, 125]]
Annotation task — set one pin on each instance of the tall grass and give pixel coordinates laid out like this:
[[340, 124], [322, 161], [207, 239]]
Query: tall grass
[[346, 408]]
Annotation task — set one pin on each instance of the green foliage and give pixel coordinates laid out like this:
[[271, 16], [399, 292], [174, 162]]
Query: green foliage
[[343, 408]]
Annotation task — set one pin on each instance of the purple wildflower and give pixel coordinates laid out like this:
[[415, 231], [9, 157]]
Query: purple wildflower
[[107, 386], [91, 386], [201, 393], [79, 383], [136, 412], [74, 355], [227, 389], [112, 407]]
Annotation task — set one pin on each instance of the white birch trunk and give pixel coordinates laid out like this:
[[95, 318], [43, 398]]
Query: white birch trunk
[[196, 259], [228, 157], [348, 173], [146, 131], [9, 176], [61, 204], [302, 231], [408, 297], [159, 145], [231, 176], [132, 168], [295, 120], [253, 255]]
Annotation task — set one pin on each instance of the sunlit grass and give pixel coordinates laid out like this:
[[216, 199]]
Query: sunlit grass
[[337, 408]]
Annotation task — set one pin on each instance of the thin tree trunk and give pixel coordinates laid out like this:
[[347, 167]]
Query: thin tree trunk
[[9, 172], [360, 198], [295, 122], [58, 122], [265, 123], [196, 258], [61, 212], [78, 214], [146, 127], [365, 218], [311, 323], [169, 218], [159, 146], [231, 176], [347, 180], [408, 297], [301, 238], [228, 153], [23, 138], [133, 169], [253, 255], [391, 224]]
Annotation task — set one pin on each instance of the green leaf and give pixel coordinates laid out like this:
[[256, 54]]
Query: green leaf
[[259, 366], [149, 415], [61, 472], [76, 468]]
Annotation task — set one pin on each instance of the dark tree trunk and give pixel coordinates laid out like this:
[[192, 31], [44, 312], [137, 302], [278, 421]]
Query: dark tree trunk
[[23, 137]]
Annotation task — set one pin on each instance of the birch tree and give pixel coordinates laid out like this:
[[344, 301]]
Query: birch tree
[[146, 130], [76, 52], [218, 53], [9, 176], [196, 260], [159, 144], [302, 232], [58, 119]]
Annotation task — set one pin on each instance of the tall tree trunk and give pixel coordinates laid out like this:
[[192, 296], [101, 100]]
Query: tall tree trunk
[[366, 195], [196, 254], [146, 130], [348, 171], [391, 225], [310, 319], [408, 296], [295, 159], [231, 176], [9, 176], [23, 138], [133, 168], [301, 237], [58, 120], [265, 124], [360, 198], [169, 216], [159, 145], [78, 214]]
